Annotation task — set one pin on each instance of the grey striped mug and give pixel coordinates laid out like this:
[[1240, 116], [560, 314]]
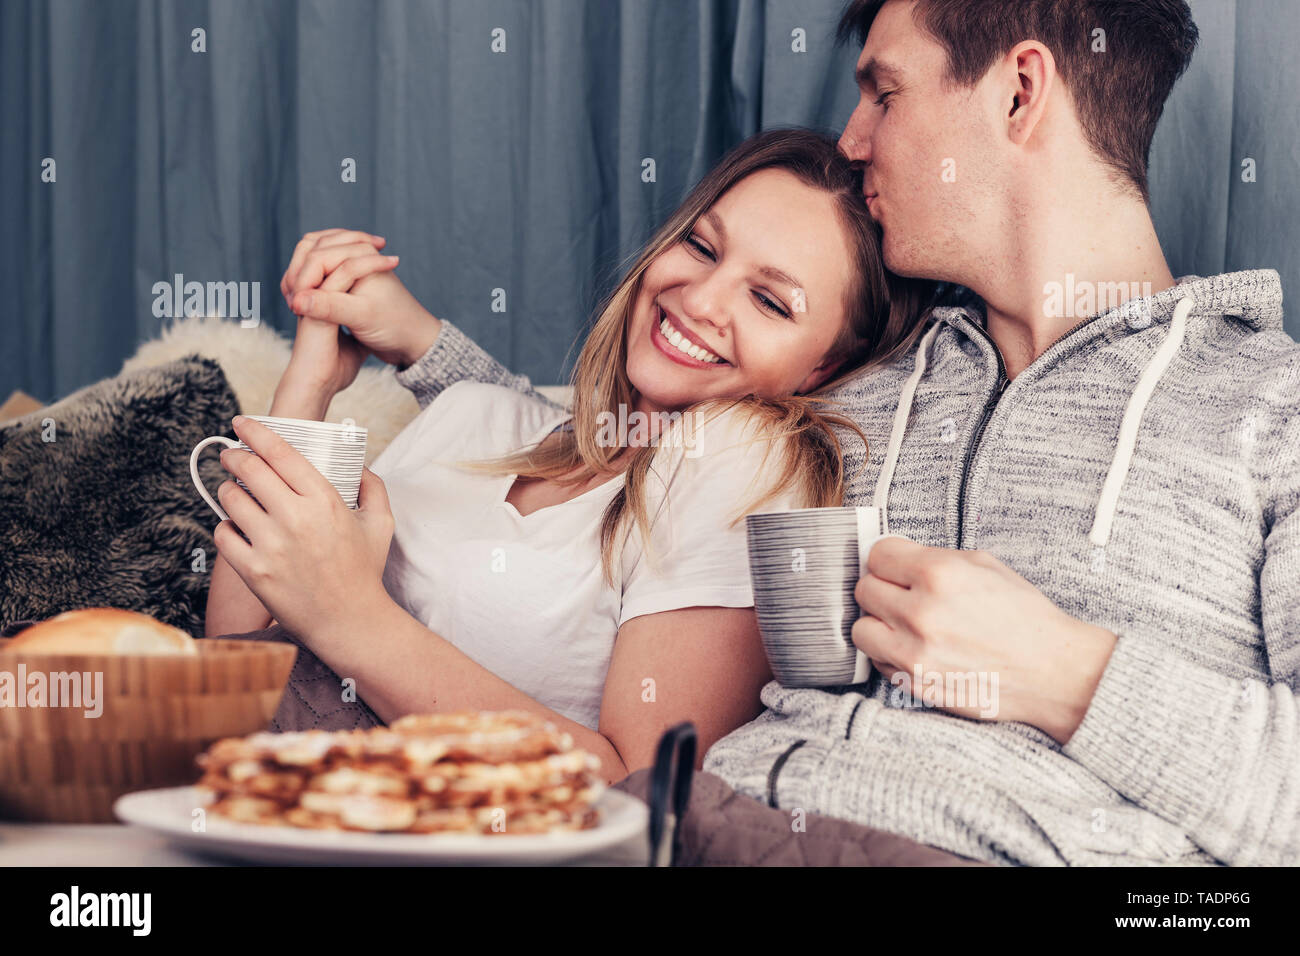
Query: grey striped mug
[[804, 566]]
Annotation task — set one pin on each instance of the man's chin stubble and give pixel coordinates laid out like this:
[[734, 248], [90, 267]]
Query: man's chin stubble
[[904, 262]]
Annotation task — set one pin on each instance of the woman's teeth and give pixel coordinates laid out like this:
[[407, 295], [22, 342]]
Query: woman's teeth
[[684, 345]]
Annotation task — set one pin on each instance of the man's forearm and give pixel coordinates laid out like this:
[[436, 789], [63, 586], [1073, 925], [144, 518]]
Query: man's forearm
[[421, 341], [1217, 755], [1085, 649], [453, 357]]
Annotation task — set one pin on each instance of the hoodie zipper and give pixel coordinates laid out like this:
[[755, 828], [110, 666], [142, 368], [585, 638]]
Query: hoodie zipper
[[989, 407]]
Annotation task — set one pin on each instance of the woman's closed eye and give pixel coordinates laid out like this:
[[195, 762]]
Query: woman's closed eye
[[771, 306], [699, 247], [764, 301]]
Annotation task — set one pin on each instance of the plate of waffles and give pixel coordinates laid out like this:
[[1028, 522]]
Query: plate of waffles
[[503, 787]]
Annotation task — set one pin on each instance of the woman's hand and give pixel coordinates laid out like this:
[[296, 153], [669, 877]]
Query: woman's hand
[[311, 561], [338, 276], [325, 361]]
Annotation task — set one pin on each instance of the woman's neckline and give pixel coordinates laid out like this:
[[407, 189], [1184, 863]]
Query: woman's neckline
[[551, 424]]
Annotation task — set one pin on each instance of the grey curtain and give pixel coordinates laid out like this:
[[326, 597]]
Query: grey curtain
[[520, 170]]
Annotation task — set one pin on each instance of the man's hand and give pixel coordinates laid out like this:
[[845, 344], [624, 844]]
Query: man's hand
[[935, 612], [320, 253]]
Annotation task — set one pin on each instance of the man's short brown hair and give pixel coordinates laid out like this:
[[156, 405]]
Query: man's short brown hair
[[1118, 94]]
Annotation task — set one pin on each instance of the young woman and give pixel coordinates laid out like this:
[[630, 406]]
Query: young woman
[[518, 555]]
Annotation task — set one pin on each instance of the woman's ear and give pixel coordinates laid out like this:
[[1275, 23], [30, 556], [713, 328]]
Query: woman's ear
[[822, 373]]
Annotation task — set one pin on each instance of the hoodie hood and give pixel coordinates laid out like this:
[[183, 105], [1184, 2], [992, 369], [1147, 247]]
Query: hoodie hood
[[1252, 297]]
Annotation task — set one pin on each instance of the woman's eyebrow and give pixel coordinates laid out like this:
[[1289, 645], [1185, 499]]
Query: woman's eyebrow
[[716, 221], [777, 275], [770, 272]]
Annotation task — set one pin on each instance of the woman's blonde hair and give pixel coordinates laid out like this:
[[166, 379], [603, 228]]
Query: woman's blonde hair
[[883, 318]]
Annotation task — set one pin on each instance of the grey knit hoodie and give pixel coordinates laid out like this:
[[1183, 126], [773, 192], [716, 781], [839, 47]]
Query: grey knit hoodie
[[1142, 474]]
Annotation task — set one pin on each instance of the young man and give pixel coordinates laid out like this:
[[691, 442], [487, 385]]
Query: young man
[[1087, 645]]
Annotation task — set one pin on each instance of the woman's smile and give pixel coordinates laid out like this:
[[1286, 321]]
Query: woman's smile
[[676, 342]]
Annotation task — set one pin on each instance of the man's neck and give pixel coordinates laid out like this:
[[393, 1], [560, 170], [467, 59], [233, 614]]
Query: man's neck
[[1057, 265]]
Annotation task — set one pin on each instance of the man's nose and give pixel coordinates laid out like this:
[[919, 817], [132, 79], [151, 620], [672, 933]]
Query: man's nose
[[855, 141]]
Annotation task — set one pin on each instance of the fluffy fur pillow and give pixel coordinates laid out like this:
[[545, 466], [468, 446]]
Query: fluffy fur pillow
[[106, 514], [254, 359]]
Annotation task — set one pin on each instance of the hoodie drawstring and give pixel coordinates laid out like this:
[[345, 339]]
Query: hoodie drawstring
[[1128, 428], [881, 498], [1123, 458]]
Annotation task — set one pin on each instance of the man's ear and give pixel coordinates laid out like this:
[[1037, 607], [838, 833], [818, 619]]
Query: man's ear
[[1034, 71]]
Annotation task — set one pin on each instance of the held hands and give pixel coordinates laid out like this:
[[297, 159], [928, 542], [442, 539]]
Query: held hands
[[325, 361], [939, 613], [311, 561], [339, 276]]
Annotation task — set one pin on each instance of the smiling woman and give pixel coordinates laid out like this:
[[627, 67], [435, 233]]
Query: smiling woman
[[534, 563], [711, 318]]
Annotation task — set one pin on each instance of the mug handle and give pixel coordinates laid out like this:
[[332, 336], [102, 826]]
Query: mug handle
[[194, 471], [871, 528]]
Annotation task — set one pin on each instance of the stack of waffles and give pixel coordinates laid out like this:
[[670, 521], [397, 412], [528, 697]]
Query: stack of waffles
[[489, 772]]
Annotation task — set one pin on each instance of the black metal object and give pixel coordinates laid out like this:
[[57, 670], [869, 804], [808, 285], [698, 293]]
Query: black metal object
[[676, 752]]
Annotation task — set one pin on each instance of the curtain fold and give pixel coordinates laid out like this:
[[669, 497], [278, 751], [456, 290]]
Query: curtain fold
[[504, 147]]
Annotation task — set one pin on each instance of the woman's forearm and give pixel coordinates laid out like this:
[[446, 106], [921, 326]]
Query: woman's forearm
[[295, 398], [401, 667], [232, 607]]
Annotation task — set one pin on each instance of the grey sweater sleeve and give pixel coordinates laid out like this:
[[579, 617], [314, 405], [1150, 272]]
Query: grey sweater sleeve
[[455, 357], [1217, 755]]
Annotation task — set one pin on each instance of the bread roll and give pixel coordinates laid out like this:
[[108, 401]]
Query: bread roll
[[102, 630]]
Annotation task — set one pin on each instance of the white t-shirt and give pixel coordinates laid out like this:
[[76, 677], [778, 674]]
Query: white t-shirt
[[524, 596]]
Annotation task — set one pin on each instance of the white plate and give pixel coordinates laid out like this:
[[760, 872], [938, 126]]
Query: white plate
[[170, 813]]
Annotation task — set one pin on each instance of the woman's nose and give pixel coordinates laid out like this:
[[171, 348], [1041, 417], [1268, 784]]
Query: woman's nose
[[704, 303]]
